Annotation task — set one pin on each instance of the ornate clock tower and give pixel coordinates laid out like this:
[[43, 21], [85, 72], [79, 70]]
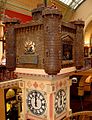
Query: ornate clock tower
[[45, 93]]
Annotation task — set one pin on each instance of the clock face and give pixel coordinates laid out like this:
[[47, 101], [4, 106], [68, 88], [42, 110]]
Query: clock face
[[60, 101], [36, 102]]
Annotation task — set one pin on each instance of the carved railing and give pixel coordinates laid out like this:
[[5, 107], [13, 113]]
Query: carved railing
[[84, 115], [6, 74]]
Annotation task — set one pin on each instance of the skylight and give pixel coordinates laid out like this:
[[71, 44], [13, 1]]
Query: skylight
[[72, 3]]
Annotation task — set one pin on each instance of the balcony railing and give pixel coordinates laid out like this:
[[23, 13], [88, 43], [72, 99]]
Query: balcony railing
[[84, 115]]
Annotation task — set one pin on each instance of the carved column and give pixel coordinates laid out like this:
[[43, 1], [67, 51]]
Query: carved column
[[10, 49], [11, 45], [52, 42], [79, 44]]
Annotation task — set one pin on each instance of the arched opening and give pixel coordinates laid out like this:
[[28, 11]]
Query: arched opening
[[88, 40], [13, 103]]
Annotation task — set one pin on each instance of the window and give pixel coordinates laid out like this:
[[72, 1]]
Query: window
[[72, 3]]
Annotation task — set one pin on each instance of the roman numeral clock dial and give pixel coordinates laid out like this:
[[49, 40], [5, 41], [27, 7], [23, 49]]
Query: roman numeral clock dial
[[60, 101], [36, 102]]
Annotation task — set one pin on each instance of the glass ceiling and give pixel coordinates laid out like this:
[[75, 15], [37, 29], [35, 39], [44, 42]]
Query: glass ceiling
[[72, 3]]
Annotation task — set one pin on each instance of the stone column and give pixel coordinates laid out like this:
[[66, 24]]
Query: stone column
[[52, 42]]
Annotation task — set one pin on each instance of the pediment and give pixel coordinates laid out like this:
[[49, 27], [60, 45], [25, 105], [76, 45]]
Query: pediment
[[67, 38]]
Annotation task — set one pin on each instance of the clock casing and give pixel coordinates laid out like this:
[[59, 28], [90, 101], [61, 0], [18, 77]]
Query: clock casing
[[60, 101], [36, 102]]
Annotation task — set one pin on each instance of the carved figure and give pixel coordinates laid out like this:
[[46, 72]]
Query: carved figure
[[29, 47]]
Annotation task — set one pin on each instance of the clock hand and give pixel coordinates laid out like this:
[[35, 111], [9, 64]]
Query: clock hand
[[61, 101], [35, 99]]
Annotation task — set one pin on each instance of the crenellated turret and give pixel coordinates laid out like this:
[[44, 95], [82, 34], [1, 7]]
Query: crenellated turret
[[79, 44], [52, 42]]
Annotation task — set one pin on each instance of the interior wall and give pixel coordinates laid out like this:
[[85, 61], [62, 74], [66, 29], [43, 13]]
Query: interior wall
[[22, 6], [22, 17], [84, 12], [88, 34], [26, 7]]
